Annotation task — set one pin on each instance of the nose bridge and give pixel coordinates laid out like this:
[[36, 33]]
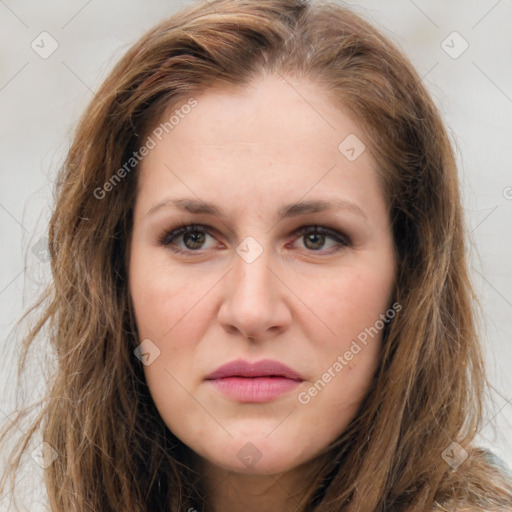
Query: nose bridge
[[252, 303], [253, 279]]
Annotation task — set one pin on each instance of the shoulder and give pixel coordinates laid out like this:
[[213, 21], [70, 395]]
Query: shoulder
[[482, 483], [498, 464]]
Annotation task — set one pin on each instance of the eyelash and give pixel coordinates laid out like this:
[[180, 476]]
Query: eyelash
[[168, 236]]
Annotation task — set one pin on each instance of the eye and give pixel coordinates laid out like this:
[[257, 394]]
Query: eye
[[315, 237], [194, 236]]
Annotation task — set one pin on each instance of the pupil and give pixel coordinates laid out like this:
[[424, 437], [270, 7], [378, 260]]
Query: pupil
[[313, 236], [199, 242]]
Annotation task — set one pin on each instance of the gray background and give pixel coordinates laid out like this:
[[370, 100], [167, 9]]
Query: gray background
[[42, 98]]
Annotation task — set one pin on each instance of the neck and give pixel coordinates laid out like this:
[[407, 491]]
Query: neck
[[227, 491]]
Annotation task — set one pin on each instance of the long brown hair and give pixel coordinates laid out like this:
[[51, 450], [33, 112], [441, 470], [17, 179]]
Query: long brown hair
[[114, 450]]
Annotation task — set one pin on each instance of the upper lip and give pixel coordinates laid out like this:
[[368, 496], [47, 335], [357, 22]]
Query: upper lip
[[264, 368]]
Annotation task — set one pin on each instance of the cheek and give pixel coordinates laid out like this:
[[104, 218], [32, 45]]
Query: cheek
[[172, 309], [352, 301], [165, 296], [351, 306], [345, 363]]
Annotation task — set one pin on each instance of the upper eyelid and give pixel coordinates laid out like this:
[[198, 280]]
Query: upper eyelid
[[181, 230]]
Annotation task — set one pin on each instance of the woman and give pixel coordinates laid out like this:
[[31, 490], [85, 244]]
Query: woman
[[260, 296]]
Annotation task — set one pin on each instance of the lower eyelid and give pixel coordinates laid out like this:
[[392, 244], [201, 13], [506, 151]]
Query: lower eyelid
[[328, 232], [176, 233]]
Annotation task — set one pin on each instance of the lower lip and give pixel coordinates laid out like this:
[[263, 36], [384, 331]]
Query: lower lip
[[254, 389]]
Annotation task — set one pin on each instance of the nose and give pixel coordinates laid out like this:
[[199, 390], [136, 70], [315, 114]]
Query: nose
[[255, 300]]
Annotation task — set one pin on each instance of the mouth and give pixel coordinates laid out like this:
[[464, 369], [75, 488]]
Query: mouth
[[254, 382]]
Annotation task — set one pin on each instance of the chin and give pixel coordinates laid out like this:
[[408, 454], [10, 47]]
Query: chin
[[255, 455]]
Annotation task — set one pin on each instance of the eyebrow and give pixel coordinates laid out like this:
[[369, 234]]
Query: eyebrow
[[290, 210]]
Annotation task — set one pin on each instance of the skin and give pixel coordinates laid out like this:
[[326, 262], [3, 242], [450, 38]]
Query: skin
[[251, 151]]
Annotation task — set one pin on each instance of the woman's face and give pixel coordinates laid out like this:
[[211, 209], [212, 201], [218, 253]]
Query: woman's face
[[250, 169]]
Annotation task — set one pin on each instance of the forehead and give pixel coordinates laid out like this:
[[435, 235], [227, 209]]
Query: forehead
[[256, 112], [274, 137]]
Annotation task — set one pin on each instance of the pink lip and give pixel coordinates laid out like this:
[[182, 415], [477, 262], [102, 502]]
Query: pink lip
[[254, 382]]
